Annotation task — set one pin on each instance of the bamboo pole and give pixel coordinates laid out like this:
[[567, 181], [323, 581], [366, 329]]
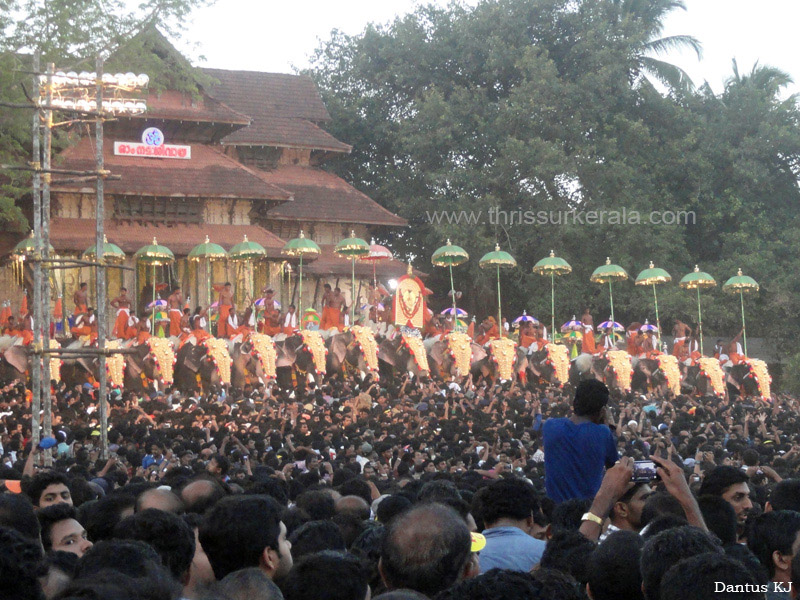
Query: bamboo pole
[[102, 291]]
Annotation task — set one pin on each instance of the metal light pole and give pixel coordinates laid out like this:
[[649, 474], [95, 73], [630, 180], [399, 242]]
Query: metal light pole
[[36, 359]]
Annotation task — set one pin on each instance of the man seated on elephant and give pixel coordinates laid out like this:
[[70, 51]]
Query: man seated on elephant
[[487, 331]]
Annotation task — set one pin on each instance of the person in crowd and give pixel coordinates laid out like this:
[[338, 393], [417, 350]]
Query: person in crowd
[[47, 488], [730, 484], [61, 530], [774, 538]]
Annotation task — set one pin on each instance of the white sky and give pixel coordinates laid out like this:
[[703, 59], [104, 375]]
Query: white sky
[[275, 36]]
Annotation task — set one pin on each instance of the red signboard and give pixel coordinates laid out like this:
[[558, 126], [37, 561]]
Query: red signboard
[[147, 151]]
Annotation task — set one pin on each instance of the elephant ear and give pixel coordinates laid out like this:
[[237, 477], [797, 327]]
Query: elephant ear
[[478, 353], [437, 352], [338, 347], [133, 367], [87, 364], [387, 352], [193, 358], [17, 358], [286, 354]]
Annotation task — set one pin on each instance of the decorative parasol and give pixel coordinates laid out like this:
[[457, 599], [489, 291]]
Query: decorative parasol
[[157, 303], [154, 255], [501, 260], [208, 252], [246, 252], [301, 246], [616, 326], [647, 327], [741, 284], [450, 256], [111, 252], [21, 251], [450, 312], [311, 319], [376, 254], [698, 279], [608, 273], [525, 318], [654, 276], [552, 265], [572, 325], [352, 248]]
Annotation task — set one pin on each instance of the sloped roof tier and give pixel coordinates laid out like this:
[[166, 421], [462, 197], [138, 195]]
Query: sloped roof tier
[[171, 104], [207, 174], [322, 196], [328, 263], [75, 235]]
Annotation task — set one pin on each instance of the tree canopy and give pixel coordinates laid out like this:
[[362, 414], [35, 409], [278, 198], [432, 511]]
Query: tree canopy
[[559, 105]]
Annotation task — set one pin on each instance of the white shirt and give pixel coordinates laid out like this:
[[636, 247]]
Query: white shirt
[[290, 320]]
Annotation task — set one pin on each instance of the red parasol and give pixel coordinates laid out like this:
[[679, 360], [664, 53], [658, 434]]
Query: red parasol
[[376, 254]]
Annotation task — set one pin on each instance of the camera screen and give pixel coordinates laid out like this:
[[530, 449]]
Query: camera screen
[[644, 470]]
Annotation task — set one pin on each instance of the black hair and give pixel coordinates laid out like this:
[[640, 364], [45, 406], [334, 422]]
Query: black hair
[[613, 569], [319, 504], [505, 499], [438, 490], [246, 584], [16, 512], [167, 533], [338, 576], [773, 532], [391, 506], [720, 479], [567, 514], [568, 551], [667, 548], [102, 516], [154, 584], [660, 504], [51, 515], [742, 553], [356, 486], [223, 463], [34, 486], [663, 523], [237, 530], [694, 578], [720, 518], [351, 526], [20, 566], [128, 557], [786, 495], [425, 549], [497, 583], [316, 536], [591, 396]]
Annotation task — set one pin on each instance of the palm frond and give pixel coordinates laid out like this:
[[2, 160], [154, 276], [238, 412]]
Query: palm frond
[[674, 42], [670, 75]]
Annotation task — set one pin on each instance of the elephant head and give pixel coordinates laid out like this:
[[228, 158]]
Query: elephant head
[[398, 355], [195, 370], [345, 353]]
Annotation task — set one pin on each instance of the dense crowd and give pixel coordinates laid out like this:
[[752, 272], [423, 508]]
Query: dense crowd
[[359, 489]]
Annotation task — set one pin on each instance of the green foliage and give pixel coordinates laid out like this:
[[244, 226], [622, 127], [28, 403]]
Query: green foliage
[[548, 106]]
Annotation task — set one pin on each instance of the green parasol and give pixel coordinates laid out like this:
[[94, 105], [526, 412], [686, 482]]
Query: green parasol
[[208, 252], [247, 252], [154, 255], [654, 276], [26, 248], [552, 265], [696, 280], [741, 284], [111, 252], [501, 260], [301, 246], [608, 273], [352, 248], [450, 256]]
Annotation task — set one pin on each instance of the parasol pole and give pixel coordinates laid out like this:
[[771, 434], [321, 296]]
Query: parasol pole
[[611, 298], [453, 293], [353, 291], [300, 287], [499, 315], [658, 323], [375, 277], [553, 305], [699, 320], [744, 331], [153, 312], [208, 291]]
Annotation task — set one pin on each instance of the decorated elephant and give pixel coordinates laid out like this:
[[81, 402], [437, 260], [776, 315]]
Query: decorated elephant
[[501, 360], [455, 356], [254, 360], [547, 366], [300, 356], [205, 366], [704, 377], [750, 378], [405, 353], [614, 368], [15, 364], [658, 372], [151, 366], [354, 351]]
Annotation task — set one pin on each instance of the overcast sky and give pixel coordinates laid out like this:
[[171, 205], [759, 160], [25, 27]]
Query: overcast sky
[[268, 35]]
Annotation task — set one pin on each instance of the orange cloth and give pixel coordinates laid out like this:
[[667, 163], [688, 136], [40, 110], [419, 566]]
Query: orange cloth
[[80, 309], [222, 322], [142, 337], [174, 322], [201, 335], [130, 333], [288, 330], [121, 324], [27, 337], [271, 330], [679, 349], [83, 330], [331, 317], [587, 342], [737, 358], [526, 340], [492, 334]]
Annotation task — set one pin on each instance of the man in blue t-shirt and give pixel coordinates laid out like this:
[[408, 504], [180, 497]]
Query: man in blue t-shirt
[[578, 449]]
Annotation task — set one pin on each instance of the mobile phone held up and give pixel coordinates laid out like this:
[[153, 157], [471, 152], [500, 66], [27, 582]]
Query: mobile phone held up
[[644, 471]]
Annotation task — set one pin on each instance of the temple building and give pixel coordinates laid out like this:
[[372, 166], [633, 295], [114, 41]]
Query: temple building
[[241, 158]]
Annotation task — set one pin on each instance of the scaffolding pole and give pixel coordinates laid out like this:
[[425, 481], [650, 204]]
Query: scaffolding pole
[[100, 279], [47, 143], [36, 363]]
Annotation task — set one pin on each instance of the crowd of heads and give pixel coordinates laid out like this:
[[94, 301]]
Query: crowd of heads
[[356, 489]]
